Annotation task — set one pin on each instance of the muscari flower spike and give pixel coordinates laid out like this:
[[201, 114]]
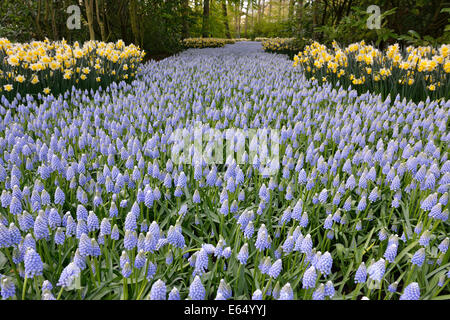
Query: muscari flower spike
[[196, 289], [411, 292]]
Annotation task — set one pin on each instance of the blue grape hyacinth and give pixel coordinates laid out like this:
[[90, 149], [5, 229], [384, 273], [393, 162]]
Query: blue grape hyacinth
[[33, 263], [411, 292], [158, 291], [309, 278], [361, 273], [286, 292], [196, 289]]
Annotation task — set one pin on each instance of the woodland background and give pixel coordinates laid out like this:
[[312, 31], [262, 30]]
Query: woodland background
[[159, 25]]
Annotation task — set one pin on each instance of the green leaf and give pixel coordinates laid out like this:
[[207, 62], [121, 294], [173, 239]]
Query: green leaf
[[76, 285], [3, 260], [414, 34], [339, 250]]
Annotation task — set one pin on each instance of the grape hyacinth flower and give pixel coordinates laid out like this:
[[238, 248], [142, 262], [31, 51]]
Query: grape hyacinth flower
[[151, 271], [443, 246], [419, 257], [425, 238], [126, 270], [257, 295], [46, 285], [319, 293], [174, 294], [411, 292], [8, 289], [324, 264], [361, 273], [376, 270], [329, 289], [275, 269], [243, 254], [391, 252], [286, 292], [309, 278], [196, 290], [68, 275], [224, 290], [33, 264], [393, 287]]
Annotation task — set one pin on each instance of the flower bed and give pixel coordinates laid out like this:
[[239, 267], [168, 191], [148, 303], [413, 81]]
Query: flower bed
[[206, 42], [312, 192], [288, 46], [415, 73], [54, 67]]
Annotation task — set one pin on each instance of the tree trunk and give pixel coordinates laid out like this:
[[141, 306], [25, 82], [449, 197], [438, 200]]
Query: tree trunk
[[262, 8], [314, 24], [240, 4], [270, 10], [37, 18], [225, 19], [141, 31], [89, 4], [185, 26], [258, 20], [299, 18], [205, 26], [198, 6], [324, 15], [46, 14], [54, 28], [280, 6], [100, 9], [291, 10], [253, 17], [123, 20], [132, 7], [246, 21]]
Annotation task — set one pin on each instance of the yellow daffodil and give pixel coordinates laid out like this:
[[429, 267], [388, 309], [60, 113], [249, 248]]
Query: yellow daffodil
[[13, 61], [19, 78], [34, 80]]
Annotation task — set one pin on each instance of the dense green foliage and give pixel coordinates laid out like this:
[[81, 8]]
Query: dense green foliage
[[159, 25]]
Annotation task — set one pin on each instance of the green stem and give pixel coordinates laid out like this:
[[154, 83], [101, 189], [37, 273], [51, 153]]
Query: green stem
[[125, 289], [357, 290], [236, 282], [410, 274], [24, 288], [60, 293], [8, 255], [267, 287]]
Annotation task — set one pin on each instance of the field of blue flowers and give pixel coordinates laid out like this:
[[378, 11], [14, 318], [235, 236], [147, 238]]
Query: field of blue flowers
[[95, 206]]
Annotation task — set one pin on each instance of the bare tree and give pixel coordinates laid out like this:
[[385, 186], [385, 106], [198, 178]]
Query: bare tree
[[205, 26], [185, 13], [89, 5], [300, 17], [225, 19], [100, 9]]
